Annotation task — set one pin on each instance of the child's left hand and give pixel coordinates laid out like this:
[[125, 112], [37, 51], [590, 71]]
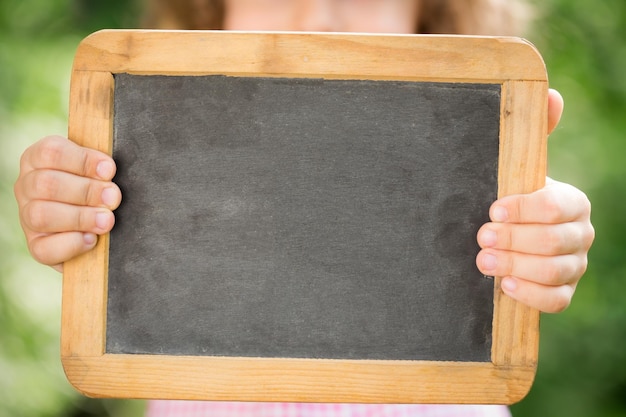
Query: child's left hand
[[538, 242]]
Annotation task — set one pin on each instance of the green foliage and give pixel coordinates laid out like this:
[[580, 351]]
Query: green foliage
[[582, 362], [582, 365], [37, 43]]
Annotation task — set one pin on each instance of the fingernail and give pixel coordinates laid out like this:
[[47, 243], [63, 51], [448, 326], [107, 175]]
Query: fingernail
[[102, 220], [490, 262], [109, 197], [499, 214], [488, 238], [508, 285], [105, 170], [89, 239]]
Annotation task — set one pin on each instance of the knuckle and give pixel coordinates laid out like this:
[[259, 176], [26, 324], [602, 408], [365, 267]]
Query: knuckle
[[589, 236], [559, 304], [35, 216], [53, 249], [552, 273], [25, 160], [553, 241], [563, 270], [90, 193], [38, 251], [45, 184], [87, 194], [582, 266], [44, 249], [18, 187], [507, 237], [84, 220], [552, 207], [585, 204], [561, 300], [51, 151], [580, 198], [508, 264]]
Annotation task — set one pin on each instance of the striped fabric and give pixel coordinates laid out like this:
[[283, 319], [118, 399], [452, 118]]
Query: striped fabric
[[232, 409]]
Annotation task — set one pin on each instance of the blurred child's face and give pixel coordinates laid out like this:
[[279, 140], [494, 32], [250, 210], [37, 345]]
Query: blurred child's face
[[385, 16]]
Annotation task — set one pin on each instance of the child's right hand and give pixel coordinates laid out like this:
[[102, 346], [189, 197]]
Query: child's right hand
[[65, 197]]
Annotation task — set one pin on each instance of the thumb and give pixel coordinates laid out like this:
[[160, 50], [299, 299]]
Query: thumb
[[555, 109]]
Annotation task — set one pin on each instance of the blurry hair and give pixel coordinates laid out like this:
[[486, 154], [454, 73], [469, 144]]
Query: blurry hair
[[474, 17], [462, 17]]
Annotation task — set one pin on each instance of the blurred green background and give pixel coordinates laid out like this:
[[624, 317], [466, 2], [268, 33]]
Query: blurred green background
[[582, 366]]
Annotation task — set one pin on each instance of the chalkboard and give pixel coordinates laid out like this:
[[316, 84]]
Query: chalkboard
[[295, 220], [307, 218]]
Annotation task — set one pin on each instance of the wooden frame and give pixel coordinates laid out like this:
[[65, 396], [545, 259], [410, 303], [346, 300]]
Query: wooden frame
[[510, 62]]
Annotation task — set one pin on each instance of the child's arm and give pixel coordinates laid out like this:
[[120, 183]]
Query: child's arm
[[65, 198], [539, 242]]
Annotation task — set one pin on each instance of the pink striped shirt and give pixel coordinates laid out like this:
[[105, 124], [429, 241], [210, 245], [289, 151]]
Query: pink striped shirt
[[162, 408]]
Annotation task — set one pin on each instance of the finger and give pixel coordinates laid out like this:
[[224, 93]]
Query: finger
[[40, 216], [546, 270], [555, 203], [535, 239], [54, 249], [549, 299], [58, 153], [555, 109], [50, 185]]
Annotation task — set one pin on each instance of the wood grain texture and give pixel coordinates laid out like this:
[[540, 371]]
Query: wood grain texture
[[523, 150], [511, 62], [312, 55], [298, 380], [84, 279]]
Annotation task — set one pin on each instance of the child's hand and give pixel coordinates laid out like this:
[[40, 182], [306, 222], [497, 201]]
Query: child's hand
[[65, 198], [538, 242]]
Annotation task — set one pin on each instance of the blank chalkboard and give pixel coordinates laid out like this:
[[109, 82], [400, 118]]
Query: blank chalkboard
[[299, 223], [307, 218]]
